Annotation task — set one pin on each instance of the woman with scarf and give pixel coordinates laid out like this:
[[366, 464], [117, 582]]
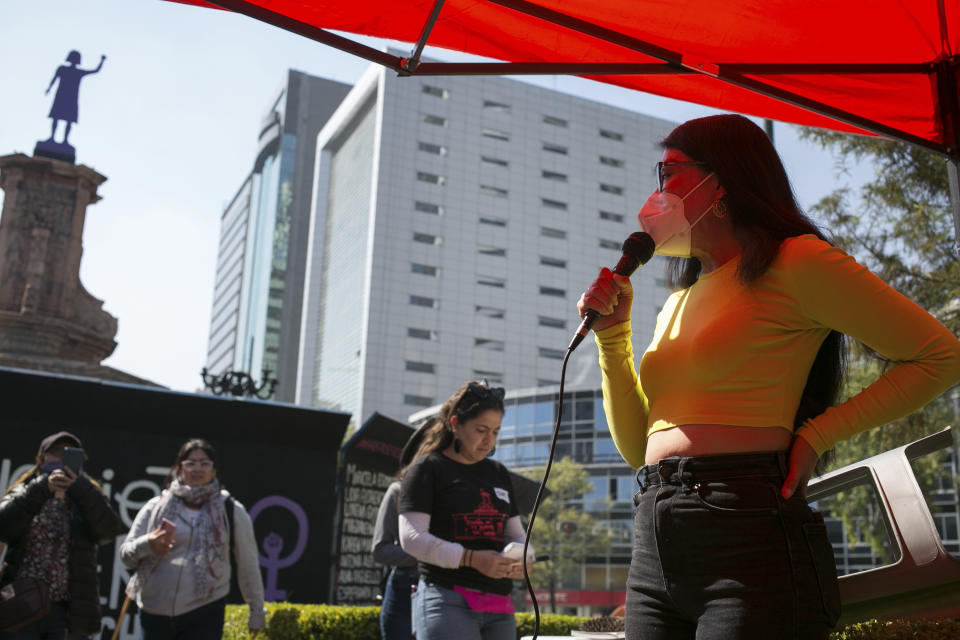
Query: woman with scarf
[[180, 546]]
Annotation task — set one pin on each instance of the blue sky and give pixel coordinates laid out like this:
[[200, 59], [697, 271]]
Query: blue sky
[[172, 121]]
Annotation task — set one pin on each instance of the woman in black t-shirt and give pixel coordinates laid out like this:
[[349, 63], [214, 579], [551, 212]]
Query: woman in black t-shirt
[[457, 512]]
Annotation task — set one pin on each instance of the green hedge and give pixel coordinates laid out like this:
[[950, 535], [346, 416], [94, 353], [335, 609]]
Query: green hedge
[[287, 621], [900, 630]]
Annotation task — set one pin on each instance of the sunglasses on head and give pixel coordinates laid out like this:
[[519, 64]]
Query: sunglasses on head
[[484, 392]]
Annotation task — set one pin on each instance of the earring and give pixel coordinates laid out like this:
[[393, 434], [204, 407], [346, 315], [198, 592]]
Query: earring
[[720, 208], [456, 445]]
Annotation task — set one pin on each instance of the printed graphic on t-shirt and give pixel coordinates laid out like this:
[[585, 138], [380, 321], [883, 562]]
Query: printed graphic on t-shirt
[[483, 522], [503, 494]]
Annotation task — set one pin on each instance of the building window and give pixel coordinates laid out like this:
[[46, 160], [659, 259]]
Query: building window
[[550, 232], [423, 301], [490, 312], [434, 120], [555, 323], [435, 91], [431, 178], [496, 192], [611, 135], [426, 238], [612, 217], [611, 162], [555, 148], [553, 175], [557, 122], [493, 377], [610, 188], [543, 382], [491, 105], [427, 207], [489, 250], [496, 134], [553, 204], [494, 222], [553, 262], [553, 354], [495, 161], [417, 401], [429, 147], [492, 281], [421, 334], [553, 291], [487, 343], [425, 269], [609, 244], [420, 367]]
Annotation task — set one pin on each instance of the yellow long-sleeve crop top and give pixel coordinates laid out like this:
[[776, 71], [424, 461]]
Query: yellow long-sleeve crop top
[[734, 354]]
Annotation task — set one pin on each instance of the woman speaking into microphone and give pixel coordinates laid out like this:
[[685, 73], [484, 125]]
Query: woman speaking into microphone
[[735, 399]]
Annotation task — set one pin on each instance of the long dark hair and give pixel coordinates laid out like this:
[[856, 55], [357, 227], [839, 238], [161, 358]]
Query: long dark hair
[[466, 403], [763, 212], [185, 450]]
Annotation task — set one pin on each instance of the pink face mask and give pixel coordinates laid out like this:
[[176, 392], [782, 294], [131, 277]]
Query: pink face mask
[[662, 217]]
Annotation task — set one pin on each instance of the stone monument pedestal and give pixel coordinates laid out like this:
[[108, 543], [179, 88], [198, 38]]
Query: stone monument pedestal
[[48, 321]]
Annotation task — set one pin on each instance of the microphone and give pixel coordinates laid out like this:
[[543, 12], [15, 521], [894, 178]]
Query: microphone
[[637, 250]]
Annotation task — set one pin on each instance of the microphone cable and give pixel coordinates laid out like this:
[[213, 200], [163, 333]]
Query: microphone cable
[[638, 248], [536, 503]]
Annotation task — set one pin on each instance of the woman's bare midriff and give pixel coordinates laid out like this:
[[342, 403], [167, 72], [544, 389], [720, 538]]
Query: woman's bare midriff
[[715, 439]]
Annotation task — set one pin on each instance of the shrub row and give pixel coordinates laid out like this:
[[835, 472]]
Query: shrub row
[[287, 621]]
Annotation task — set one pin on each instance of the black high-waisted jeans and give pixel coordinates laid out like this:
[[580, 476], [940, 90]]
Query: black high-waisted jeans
[[718, 554]]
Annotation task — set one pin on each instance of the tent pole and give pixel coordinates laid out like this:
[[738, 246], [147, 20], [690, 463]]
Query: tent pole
[[953, 177], [409, 65]]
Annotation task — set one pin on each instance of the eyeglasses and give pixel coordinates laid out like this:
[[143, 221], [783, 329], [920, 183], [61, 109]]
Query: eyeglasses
[[661, 165], [190, 465]]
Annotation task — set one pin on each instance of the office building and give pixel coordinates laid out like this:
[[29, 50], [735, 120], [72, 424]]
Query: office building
[[456, 220], [255, 320]]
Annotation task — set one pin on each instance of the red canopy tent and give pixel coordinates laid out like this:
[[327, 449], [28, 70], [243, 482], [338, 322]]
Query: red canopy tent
[[886, 67]]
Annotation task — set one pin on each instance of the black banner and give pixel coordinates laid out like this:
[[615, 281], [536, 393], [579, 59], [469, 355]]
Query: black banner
[[369, 461], [278, 460]]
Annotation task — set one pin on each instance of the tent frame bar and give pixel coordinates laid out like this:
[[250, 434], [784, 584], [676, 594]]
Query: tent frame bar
[[409, 65], [673, 63], [719, 72]]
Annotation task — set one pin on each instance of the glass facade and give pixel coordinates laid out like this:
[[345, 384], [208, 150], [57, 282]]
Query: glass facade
[[257, 271]]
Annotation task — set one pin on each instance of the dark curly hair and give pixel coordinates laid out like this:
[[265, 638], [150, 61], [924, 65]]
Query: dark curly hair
[[466, 403]]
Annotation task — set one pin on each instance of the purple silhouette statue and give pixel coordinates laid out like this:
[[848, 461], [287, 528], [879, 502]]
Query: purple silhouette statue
[[65, 106]]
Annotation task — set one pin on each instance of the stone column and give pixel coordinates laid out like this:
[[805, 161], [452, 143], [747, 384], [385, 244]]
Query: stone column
[[45, 313]]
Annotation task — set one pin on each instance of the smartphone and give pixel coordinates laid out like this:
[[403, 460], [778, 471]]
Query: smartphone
[[169, 527], [514, 551], [73, 459]]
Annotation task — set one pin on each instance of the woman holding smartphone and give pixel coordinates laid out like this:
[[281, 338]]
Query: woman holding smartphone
[[457, 513], [180, 546], [52, 518]]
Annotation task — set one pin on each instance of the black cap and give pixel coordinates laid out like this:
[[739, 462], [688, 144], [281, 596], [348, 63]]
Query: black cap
[[60, 436]]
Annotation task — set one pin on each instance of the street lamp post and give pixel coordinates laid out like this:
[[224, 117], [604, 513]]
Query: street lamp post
[[239, 383]]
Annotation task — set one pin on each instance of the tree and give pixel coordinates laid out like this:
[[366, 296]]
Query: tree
[[902, 230], [563, 530]]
